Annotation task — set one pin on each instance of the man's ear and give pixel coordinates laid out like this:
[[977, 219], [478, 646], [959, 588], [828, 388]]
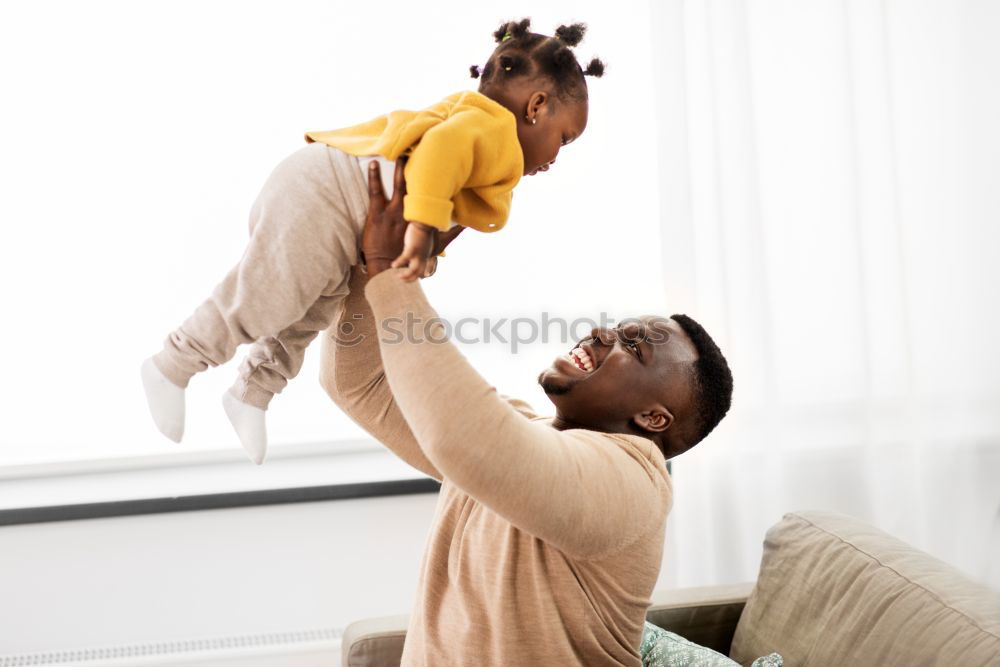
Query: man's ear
[[537, 102], [655, 420]]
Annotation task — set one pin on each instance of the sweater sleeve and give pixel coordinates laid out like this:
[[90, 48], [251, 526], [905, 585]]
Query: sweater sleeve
[[351, 373], [588, 494], [440, 166]]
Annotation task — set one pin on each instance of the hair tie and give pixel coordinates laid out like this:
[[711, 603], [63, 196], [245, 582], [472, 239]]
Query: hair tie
[[505, 38]]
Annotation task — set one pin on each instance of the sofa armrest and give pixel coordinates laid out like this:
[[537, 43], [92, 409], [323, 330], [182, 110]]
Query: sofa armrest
[[374, 642], [705, 615]]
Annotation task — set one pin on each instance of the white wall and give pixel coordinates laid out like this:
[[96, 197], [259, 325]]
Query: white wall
[[190, 575], [206, 574]]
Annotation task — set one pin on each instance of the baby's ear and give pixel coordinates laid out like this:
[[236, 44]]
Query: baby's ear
[[537, 101]]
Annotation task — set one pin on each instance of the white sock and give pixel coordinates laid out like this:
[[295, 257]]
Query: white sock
[[249, 424], [165, 399]]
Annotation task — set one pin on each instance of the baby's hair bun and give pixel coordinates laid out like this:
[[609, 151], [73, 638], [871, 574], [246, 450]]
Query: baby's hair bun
[[512, 30], [564, 59], [571, 35], [513, 64], [474, 71], [595, 69]]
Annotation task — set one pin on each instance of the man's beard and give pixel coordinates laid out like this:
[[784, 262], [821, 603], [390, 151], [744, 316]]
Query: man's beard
[[552, 388]]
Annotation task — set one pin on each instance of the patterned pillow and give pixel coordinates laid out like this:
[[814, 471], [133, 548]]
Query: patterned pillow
[[661, 648]]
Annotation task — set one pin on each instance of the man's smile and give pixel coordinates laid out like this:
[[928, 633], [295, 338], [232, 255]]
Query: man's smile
[[582, 359]]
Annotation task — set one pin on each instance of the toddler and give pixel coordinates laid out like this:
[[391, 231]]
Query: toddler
[[465, 155]]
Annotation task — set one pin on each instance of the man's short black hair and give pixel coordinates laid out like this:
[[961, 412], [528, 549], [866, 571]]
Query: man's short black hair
[[713, 389]]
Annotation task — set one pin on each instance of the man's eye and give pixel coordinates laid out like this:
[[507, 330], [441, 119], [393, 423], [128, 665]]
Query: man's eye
[[633, 345]]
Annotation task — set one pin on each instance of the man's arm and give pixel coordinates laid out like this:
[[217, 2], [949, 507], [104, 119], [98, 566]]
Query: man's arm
[[351, 369], [586, 493], [351, 373]]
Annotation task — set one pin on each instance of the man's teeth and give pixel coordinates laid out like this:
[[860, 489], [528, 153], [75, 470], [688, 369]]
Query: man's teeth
[[582, 359]]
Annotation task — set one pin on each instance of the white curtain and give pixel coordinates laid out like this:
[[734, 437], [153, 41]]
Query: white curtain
[[831, 212]]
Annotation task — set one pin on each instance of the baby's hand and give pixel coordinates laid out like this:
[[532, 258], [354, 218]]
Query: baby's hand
[[418, 244]]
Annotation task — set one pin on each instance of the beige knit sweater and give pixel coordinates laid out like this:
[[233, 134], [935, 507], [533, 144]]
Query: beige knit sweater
[[546, 544]]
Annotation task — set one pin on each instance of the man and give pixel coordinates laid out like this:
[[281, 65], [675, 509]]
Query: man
[[548, 535]]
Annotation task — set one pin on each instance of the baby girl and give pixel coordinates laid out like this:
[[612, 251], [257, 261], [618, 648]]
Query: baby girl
[[464, 155]]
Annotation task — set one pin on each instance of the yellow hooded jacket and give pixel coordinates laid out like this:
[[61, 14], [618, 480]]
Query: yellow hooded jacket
[[464, 158]]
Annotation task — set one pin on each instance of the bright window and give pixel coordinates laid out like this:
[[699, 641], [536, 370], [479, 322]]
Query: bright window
[[136, 137]]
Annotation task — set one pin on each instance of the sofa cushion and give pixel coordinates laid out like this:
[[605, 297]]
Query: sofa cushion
[[835, 591], [662, 648]]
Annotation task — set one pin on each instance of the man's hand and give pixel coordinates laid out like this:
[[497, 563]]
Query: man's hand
[[385, 228], [382, 238]]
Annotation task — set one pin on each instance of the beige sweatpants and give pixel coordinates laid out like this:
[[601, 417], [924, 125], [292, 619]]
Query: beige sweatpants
[[305, 230]]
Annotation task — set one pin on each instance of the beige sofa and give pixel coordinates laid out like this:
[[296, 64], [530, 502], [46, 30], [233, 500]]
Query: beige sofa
[[831, 592]]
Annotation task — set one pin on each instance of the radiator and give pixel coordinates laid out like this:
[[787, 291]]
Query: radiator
[[305, 648]]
